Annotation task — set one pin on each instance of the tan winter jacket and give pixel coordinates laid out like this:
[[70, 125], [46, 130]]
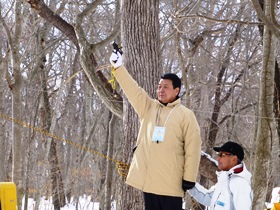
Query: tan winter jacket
[[160, 167]]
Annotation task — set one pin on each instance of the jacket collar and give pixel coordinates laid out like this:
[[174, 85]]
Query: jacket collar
[[236, 169], [172, 104], [229, 174]]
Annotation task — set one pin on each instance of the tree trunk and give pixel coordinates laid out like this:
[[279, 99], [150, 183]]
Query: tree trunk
[[265, 130], [58, 194], [56, 179], [109, 165], [141, 43], [17, 103], [39, 77], [2, 123], [219, 100]]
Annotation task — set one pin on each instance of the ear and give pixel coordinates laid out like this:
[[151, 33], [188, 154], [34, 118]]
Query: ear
[[177, 90], [235, 158]]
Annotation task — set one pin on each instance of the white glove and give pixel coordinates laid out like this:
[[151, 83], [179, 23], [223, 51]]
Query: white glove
[[116, 59]]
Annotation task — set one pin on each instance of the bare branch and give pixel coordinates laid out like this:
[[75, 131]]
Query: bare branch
[[273, 27], [228, 21], [236, 112], [45, 12]]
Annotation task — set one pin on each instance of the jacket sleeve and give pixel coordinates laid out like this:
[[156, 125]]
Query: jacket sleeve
[[136, 95], [192, 147], [242, 195], [201, 194]]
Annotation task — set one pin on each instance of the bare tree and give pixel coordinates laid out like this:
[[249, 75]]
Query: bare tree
[[141, 43], [216, 48], [15, 84], [88, 60], [50, 122], [109, 167], [266, 124], [2, 124]]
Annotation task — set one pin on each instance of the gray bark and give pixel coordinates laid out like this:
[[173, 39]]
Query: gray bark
[[2, 123], [266, 127], [51, 150], [109, 165], [16, 88], [142, 57]]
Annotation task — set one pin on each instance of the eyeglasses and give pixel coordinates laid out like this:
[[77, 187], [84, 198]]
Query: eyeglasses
[[221, 154]]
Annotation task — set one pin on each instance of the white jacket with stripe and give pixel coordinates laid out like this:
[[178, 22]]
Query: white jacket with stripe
[[231, 192]]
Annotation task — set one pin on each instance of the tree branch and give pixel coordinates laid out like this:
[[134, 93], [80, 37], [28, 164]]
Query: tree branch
[[273, 27], [45, 12], [236, 112], [86, 51], [220, 21]]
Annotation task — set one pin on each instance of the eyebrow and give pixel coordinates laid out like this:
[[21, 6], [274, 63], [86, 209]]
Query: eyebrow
[[163, 84]]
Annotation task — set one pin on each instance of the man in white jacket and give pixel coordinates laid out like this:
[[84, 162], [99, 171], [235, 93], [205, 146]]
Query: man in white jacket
[[233, 189]]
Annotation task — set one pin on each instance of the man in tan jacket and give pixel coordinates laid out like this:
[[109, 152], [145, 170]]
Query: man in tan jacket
[[167, 155]]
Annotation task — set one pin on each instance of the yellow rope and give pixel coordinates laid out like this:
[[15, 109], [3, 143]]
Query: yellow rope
[[121, 166], [113, 79]]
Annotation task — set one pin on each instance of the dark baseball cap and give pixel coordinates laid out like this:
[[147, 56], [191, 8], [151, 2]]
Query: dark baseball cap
[[233, 148]]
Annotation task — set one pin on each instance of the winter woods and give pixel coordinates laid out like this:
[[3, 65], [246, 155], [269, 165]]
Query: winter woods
[[65, 126]]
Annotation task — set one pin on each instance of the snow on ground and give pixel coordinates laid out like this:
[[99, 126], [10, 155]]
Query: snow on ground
[[84, 204]]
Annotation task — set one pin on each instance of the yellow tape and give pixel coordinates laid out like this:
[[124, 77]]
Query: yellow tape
[[121, 166], [113, 79]]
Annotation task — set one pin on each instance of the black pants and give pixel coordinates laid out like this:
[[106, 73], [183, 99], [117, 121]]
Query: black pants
[[162, 202]]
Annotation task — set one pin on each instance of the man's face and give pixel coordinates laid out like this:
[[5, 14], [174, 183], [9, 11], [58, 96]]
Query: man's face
[[165, 92], [226, 161]]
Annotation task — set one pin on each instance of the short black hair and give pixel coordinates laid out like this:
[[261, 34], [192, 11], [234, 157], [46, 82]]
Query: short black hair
[[176, 81]]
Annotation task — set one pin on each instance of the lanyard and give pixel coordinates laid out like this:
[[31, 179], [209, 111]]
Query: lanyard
[[158, 115]]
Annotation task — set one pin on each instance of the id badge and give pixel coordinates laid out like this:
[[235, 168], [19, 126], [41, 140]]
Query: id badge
[[158, 134]]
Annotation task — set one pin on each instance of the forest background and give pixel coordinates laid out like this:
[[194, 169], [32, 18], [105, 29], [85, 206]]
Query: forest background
[[68, 128]]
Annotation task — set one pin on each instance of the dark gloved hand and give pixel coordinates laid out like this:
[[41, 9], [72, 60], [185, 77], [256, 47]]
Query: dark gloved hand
[[187, 185]]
